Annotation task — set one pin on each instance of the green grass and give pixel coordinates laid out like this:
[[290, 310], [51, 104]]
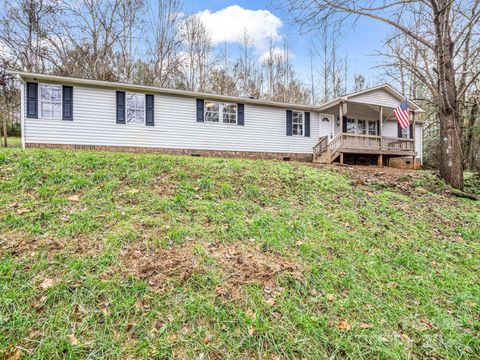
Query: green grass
[[13, 142], [178, 257]]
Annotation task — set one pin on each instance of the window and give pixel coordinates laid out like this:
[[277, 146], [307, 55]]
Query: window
[[51, 101], [297, 123], [230, 113], [361, 127], [351, 126], [405, 133], [135, 108], [213, 110]]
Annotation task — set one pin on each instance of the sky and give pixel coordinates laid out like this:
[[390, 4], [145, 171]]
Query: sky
[[226, 20]]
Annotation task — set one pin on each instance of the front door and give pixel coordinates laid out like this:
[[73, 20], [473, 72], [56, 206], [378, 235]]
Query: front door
[[326, 126]]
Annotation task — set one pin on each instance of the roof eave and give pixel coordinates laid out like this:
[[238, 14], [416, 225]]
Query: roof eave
[[115, 85]]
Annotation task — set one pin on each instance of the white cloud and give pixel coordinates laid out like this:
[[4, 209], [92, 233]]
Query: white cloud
[[230, 23], [276, 52]]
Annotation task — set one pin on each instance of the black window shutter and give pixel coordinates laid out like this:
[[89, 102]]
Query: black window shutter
[[120, 107], [399, 130], [411, 131], [149, 107], [241, 114], [344, 121], [378, 127], [200, 115], [67, 105], [32, 100], [289, 122], [307, 124]]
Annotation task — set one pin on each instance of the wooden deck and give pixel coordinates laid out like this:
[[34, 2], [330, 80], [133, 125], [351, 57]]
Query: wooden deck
[[327, 152]]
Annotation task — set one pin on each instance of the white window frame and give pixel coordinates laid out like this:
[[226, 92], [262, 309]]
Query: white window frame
[[302, 122], [375, 123], [405, 133], [226, 106], [41, 102], [354, 128], [135, 108], [222, 106], [365, 127]]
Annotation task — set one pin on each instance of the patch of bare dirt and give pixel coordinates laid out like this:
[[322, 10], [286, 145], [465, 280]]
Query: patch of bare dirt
[[406, 180], [242, 265], [157, 266], [237, 265], [22, 245]]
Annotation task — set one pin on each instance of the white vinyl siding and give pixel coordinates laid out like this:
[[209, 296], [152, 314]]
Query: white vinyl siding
[[176, 127], [376, 97], [390, 129]]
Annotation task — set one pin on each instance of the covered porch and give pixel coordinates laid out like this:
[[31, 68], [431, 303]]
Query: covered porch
[[362, 125]]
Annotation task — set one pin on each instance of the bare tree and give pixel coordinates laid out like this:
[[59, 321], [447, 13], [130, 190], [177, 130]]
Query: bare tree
[[452, 21], [131, 14], [359, 82], [245, 67], [93, 29], [24, 31], [166, 26], [196, 59]]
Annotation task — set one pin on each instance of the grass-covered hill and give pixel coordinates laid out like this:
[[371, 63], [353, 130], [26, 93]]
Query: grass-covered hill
[[109, 255]]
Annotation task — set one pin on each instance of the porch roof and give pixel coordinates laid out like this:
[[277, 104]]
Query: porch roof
[[381, 95]]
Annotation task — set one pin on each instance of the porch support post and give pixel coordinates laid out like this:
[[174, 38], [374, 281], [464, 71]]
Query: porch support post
[[380, 160], [340, 114], [341, 158], [381, 120]]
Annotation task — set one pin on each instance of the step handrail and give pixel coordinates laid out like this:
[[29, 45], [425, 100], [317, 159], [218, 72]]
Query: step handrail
[[320, 147], [336, 143]]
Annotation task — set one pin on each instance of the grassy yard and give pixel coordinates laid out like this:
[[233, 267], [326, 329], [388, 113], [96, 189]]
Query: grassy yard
[[13, 142], [106, 255]]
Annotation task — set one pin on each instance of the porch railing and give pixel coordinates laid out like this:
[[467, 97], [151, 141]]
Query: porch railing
[[397, 144], [356, 141], [345, 142]]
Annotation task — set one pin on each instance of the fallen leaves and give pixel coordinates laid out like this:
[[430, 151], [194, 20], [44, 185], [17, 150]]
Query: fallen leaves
[[363, 325], [344, 325], [331, 297], [13, 355], [208, 338], [22, 211], [270, 302], [72, 339], [251, 331], [46, 283], [74, 198]]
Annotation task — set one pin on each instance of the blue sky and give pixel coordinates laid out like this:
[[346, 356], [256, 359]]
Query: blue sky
[[359, 42]]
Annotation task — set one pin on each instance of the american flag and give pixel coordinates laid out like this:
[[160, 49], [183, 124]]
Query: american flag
[[401, 113]]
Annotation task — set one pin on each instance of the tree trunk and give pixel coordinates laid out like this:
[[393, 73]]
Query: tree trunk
[[469, 154], [4, 124], [451, 159]]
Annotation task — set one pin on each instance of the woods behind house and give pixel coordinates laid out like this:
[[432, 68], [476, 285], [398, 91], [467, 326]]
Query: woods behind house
[[431, 55]]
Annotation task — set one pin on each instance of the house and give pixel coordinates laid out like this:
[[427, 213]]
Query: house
[[72, 113]]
